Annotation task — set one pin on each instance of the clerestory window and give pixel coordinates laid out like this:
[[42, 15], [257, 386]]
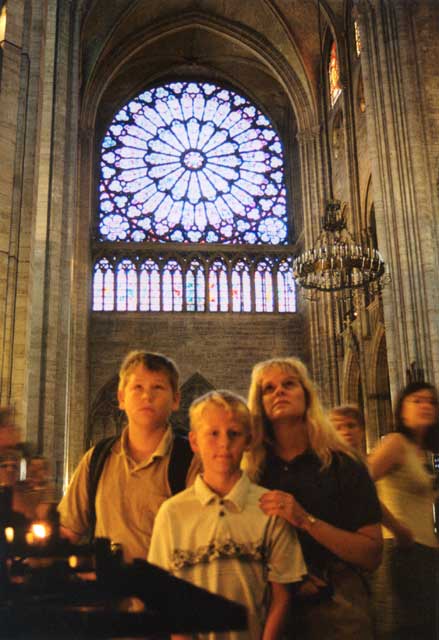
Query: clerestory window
[[334, 74]]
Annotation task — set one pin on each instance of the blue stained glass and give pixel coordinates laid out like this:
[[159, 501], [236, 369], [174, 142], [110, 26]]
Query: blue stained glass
[[98, 287], [172, 287], [176, 149], [218, 287], [149, 286], [264, 287], [195, 287], [286, 290], [126, 278], [103, 286], [175, 287], [241, 288]]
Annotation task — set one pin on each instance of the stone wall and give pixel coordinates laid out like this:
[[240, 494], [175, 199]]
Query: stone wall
[[222, 347]]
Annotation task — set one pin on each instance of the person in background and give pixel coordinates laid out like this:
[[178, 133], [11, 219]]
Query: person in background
[[35, 495], [348, 421], [319, 485], [214, 534], [405, 586], [9, 467]]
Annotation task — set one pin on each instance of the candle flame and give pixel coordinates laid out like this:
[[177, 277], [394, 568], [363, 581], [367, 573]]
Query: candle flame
[[39, 530], [73, 562], [9, 534]]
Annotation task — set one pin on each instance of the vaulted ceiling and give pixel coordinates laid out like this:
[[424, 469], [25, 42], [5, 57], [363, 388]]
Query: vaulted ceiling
[[268, 48]]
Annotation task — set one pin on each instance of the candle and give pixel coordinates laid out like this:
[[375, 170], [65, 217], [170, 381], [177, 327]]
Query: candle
[[40, 531], [9, 534], [73, 562], [29, 537]]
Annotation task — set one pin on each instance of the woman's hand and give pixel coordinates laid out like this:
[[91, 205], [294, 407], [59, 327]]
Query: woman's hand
[[362, 547], [280, 503]]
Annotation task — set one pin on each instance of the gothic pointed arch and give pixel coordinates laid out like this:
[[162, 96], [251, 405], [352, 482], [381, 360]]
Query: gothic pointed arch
[[194, 387], [351, 377], [380, 384], [105, 417]]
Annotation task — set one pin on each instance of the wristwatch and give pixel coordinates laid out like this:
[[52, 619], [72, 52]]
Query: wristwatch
[[311, 519]]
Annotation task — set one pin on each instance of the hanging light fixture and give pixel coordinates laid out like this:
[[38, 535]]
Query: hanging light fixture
[[337, 262]]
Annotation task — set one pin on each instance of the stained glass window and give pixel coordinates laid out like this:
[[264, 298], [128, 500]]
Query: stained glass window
[[197, 163], [286, 298], [218, 287], [172, 287], [357, 39], [150, 286], [251, 284], [126, 278], [195, 287], [334, 75], [103, 286], [241, 287], [264, 287], [192, 162]]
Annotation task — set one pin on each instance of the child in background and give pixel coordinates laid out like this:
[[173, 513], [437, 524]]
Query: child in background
[[349, 422], [215, 534]]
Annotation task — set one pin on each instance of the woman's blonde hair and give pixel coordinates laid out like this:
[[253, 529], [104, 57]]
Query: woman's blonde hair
[[323, 438]]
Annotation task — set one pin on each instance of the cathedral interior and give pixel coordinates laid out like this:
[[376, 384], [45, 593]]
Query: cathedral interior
[[163, 165]]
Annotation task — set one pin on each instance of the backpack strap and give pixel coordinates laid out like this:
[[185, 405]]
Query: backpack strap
[[179, 463], [98, 457]]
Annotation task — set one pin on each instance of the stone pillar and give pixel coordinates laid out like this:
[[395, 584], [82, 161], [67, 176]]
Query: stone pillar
[[78, 382], [400, 158], [325, 355], [14, 64], [36, 338]]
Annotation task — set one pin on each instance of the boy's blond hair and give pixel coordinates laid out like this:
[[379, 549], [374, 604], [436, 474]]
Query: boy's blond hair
[[151, 361], [228, 400]]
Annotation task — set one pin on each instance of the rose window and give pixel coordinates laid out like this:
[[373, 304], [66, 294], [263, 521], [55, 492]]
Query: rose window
[[192, 162]]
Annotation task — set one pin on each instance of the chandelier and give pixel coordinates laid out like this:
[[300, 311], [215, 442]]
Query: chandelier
[[337, 262]]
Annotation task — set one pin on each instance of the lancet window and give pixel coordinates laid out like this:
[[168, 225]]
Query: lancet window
[[334, 74]]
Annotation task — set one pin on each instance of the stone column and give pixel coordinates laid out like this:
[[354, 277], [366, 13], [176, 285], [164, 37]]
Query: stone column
[[78, 383], [14, 67], [42, 149], [401, 168], [325, 355]]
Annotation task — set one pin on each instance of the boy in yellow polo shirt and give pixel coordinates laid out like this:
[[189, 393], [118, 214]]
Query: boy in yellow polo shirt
[[135, 477]]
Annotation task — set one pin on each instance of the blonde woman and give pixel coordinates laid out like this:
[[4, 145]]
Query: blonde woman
[[317, 484]]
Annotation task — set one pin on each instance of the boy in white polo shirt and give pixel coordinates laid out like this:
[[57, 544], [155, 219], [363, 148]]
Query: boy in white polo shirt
[[215, 534]]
